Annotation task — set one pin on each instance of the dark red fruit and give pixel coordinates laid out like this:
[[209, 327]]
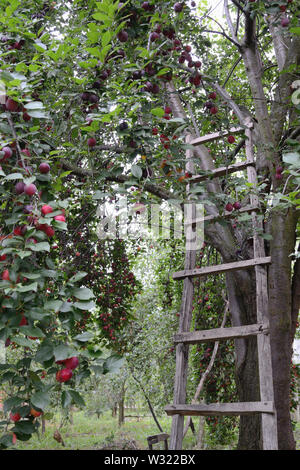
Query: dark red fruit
[[46, 209], [19, 187], [30, 189], [44, 168], [178, 7], [91, 142], [12, 105], [229, 207], [7, 152], [212, 95], [15, 417], [64, 375], [122, 36], [72, 362]]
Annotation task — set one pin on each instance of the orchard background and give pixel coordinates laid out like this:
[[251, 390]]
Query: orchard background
[[96, 101]]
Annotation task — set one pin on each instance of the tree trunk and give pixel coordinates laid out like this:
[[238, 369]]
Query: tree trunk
[[280, 292], [121, 406], [71, 416], [121, 412], [242, 300], [201, 434], [43, 425]]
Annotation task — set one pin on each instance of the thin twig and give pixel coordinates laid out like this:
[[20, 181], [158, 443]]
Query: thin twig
[[19, 152], [229, 21]]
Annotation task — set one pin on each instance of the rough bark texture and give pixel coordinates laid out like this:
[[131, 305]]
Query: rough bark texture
[[242, 300], [280, 309]]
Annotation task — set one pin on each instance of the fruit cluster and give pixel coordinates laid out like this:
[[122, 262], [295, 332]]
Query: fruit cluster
[[65, 374]]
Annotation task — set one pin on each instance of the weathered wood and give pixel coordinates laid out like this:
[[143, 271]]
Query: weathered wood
[[221, 268], [219, 334], [157, 438], [227, 215], [221, 409], [216, 135], [182, 350], [269, 422], [222, 171]]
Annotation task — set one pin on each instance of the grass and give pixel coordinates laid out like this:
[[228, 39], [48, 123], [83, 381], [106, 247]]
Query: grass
[[91, 433]]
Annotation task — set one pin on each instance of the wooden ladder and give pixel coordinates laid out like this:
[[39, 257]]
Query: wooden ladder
[[178, 410]]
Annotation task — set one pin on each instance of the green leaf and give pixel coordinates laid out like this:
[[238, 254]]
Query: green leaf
[[34, 105], [24, 427], [6, 440], [53, 305], [83, 293], [40, 400], [44, 353], [98, 195], [85, 305], [37, 114], [94, 51], [292, 158], [22, 341], [84, 337], [32, 331], [77, 277], [66, 399], [106, 37], [12, 402], [101, 17], [30, 287], [14, 176], [163, 71], [63, 351], [113, 364], [42, 246], [295, 30], [77, 398], [158, 112], [136, 171]]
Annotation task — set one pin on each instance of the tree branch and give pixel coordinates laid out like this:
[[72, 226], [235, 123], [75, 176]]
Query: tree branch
[[229, 22], [239, 6], [149, 187], [223, 32], [19, 152]]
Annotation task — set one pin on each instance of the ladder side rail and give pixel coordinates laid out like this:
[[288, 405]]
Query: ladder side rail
[[269, 421], [182, 350]]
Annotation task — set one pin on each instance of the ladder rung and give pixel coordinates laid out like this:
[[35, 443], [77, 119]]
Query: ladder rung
[[219, 409], [216, 136], [227, 214], [221, 268], [217, 334], [222, 171]]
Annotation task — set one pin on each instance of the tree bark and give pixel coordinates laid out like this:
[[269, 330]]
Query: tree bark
[[280, 309], [121, 412]]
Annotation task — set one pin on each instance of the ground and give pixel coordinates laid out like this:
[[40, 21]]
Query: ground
[[91, 433]]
